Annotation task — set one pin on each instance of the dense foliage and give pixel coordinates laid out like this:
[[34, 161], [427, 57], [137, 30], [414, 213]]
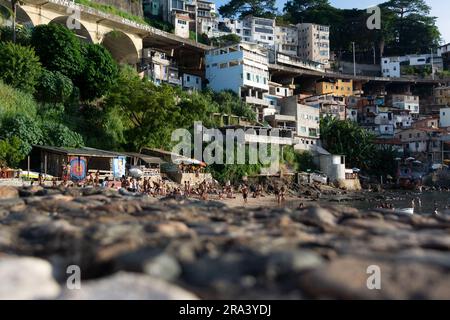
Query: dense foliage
[[99, 72], [239, 8], [19, 66], [358, 145], [58, 49], [406, 25], [53, 87]]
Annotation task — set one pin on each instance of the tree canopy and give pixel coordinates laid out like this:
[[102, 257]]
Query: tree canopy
[[99, 73], [239, 8], [406, 26], [19, 66], [59, 49]]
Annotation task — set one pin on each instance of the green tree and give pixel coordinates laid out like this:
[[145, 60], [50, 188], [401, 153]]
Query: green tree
[[225, 40], [23, 127], [349, 139], [59, 49], [406, 26], [298, 160], [383, 162], [19, 66], [234, 172], [58, 135], [10, 154], [53, 87], [230, 103], [99, 74], [14, 101], [240, 8], [150, 111], [414, 29], [23, 35]]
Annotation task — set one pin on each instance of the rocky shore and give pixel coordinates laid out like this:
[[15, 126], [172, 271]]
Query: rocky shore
[[137, 247]]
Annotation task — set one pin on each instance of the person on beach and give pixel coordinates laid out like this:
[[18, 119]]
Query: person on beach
[[244, 191], [282, 194], [277, 194], [436, 212], [97, 178], [105, 183]]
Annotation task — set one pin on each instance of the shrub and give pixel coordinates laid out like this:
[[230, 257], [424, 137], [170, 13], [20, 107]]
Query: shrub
[[19, 66]]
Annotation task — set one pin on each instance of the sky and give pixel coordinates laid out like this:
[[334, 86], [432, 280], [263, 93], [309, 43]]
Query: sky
[[439, 9]]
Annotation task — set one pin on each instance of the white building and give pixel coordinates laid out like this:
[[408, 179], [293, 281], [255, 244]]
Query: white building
[[253, 29], [443, 49], [405, 102], [307, 118], [391, 67], [286, 40], [444, 114], [242, 68], [352, 114], [205, 13], [160, 67], [192, 82], [276, 93], [314, 42]]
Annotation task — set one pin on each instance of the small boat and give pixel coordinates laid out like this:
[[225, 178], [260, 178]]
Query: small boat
[[403, 212], [408, 211], [135, 172]]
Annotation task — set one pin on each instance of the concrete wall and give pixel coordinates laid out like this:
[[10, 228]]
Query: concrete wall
[[224, 78], [192, 178], [444, 121], [333, 166], [132, 6]]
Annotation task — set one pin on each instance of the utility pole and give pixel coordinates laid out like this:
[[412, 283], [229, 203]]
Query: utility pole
[[432, 64], [196, 17], [14, 11], [354, 59], [374, 56]]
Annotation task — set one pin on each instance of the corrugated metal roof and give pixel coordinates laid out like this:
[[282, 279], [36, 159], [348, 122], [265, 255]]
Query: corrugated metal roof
[[82, 151], [144, 157]]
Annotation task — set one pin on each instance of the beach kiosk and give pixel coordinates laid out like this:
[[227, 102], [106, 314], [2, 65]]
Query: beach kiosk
[[76, 163]]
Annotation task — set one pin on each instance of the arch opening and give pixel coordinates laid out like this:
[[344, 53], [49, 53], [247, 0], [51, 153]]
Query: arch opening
[[76, 26], [22, 18], [121, 47]]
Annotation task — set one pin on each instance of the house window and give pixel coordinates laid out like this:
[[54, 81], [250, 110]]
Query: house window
[[188, 78], [248, 76]]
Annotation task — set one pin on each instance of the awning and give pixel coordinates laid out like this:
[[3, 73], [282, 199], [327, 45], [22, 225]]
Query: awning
[[146, 158]]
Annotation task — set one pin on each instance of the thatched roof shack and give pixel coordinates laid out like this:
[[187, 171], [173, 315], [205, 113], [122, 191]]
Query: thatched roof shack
[[77, 163]]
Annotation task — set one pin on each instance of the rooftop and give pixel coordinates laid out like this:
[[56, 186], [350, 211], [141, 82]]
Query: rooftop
[[82, 151]]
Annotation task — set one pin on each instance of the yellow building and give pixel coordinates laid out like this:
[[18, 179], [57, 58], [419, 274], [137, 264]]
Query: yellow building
[[442, 96], [336, 87]]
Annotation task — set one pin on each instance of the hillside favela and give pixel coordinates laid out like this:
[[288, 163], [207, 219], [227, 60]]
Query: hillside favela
[[224, 150]]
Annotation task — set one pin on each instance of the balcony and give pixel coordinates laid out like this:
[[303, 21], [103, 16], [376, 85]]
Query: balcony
[[175, 81], [256, 101]]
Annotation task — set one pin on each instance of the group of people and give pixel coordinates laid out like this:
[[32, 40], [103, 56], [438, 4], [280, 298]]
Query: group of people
[[145, 185], [190, 168]]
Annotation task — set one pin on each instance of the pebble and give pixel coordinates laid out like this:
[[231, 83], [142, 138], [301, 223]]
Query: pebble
[[139, 247], [26, 278], [128, 286]]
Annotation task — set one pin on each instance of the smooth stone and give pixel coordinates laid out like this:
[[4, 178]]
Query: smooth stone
[[26, 278], [127, 286], [7, 192]]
